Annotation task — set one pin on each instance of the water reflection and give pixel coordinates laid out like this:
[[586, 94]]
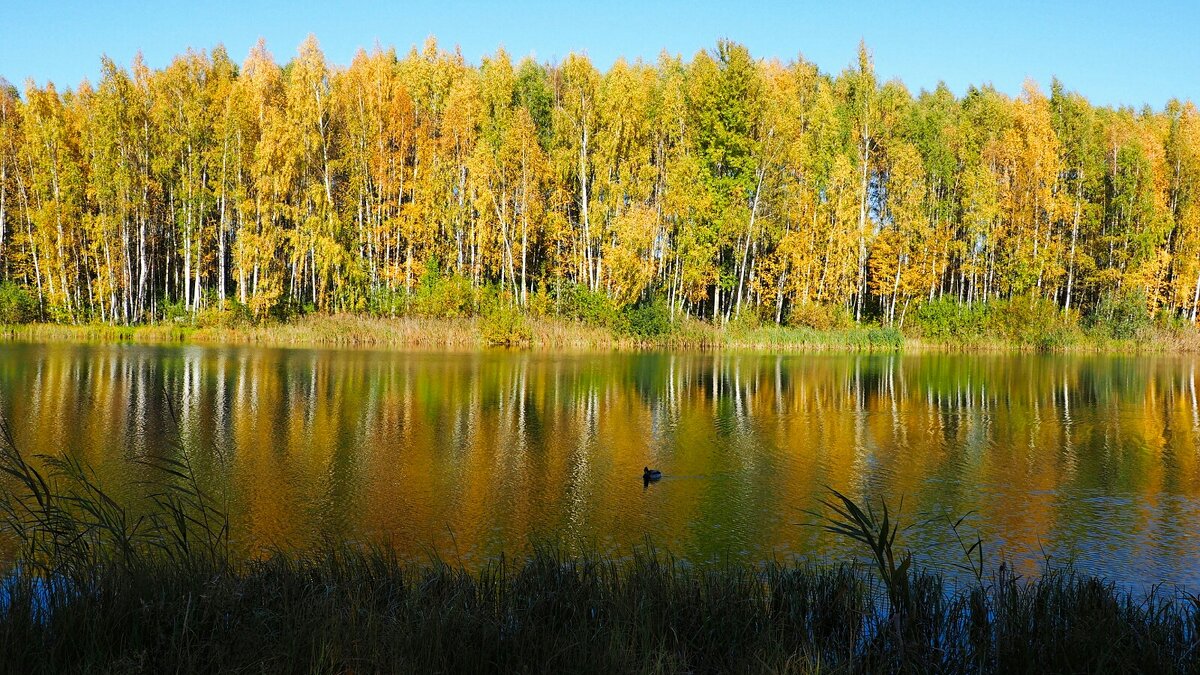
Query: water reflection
[[1084, 458]]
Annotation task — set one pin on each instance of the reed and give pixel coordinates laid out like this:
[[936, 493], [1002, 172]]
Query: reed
[[464, 333], [97, 589]]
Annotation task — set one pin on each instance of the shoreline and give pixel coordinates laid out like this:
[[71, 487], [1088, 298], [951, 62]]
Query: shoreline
[[349, 331]]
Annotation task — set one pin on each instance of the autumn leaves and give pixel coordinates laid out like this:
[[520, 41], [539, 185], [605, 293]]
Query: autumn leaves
[[720, 185]]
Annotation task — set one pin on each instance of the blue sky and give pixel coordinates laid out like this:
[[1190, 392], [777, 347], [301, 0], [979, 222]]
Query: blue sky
[[1115, 53]]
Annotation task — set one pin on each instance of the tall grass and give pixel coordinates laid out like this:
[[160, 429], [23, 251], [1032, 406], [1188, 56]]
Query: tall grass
[[97, 589], [515, 329], [448, 312]]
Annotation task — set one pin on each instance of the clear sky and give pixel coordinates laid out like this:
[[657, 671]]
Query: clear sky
[[1115, 53]]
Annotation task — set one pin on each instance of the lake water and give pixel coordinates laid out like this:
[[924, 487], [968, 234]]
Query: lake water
[[1060, 458]]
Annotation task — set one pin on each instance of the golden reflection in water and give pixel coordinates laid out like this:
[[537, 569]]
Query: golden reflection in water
[[1092, 459]]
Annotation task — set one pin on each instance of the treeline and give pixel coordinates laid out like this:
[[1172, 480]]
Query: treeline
[[717, 186]]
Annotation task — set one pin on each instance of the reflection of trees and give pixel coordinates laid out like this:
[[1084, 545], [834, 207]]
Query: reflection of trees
[[500, 447]]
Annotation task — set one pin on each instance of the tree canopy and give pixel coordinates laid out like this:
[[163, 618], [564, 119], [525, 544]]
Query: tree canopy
[[721, 185]]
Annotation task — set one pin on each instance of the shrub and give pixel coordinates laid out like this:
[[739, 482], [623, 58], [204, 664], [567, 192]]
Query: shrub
[[946, 318], [819, 316], [175, 312], [1120, 315], [578, 302], [541, 303], [1034, 322], [1057, 339], [57, 312], [748, 319], [17, 305], [506, 325], [386, 302], [1171, 321], [284, 310], [646, 319], [227, 314], [439, 296]]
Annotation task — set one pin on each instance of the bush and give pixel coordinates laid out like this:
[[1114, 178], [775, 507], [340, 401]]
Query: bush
[[1171, 321], [17, 305], [541, 303], [387, 302], [1120, 315], [506, 325], [442, 297], [819, 317], [175, 312], [1057, 339], [946, 318], [1033, 322], [434, 297], [227, 314], [645, 320], [580, 303], [285, 310], [751, 318]]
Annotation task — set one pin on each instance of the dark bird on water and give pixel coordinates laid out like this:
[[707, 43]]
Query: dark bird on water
[[649, 474]]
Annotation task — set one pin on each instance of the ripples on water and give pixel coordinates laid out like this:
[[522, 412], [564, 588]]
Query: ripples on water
[[1089, 459]]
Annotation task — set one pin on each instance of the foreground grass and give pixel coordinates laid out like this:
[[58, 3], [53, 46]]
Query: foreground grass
[[97, 589], [364, 611]]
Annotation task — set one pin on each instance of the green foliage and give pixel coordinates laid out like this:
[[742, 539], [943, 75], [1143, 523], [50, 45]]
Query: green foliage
[[885, 338], [439, 296], [1172, 322], [948, 319], [505, 325], [1032, 322], [1058, 338], [580, 303], [288, 309], [435, 296], [57, 312], [17, 305], [747, 320], [229, 314], [645, 320], [383, 301], [1121, 316], [175, 312], [532, 91], [1022, 321]]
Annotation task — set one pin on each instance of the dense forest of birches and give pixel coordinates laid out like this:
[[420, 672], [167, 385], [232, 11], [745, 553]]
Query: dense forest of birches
[[715, 186]]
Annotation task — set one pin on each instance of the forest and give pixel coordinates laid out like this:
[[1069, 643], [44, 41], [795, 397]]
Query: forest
[[716, 187]]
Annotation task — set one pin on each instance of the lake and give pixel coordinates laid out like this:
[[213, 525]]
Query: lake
[[1088, 459]]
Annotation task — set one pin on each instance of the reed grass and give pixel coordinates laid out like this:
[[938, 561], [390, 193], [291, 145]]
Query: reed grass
[[464, 333], [96, 589], [549, 333]]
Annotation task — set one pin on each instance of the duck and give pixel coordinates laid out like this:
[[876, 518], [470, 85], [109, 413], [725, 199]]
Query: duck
[[649, 474]]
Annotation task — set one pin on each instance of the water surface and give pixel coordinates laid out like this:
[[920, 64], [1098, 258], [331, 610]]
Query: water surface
[[1057, 458]]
